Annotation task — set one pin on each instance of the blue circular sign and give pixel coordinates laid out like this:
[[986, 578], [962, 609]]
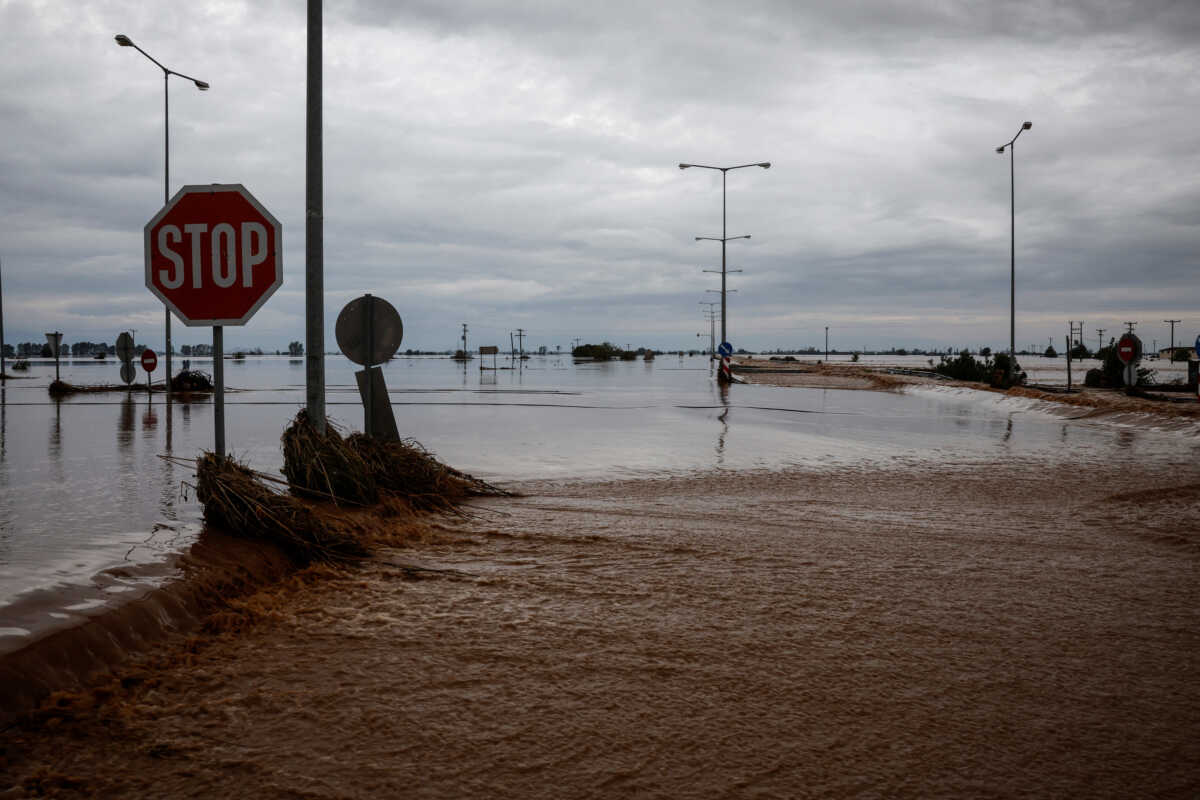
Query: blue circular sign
[[1198, 345], [726, 349]]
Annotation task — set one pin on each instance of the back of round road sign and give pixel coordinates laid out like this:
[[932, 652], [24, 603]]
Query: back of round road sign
[[127, 372], [387, 330], [125, 347]]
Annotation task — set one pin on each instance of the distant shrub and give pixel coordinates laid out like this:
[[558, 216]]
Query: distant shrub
[[965, 367], [603, 351]]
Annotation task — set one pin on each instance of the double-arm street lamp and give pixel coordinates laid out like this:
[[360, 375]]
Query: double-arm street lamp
[[125, 41], [724, 238], [1012, 276]]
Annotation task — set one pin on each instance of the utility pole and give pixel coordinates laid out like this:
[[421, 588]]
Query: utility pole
[[521, 341], [1172, 322], [1099, 340], [1131, 324], [826, 344], [512, 348], [464, 338], [711, 313]]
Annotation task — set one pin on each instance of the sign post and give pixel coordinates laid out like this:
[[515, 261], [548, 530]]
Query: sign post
[[214, 255], [55, 341], [1129, 351], [369, 331], [125, 355], [724, 375], [149, 362]]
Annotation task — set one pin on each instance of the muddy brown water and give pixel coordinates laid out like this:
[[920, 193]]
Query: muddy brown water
[[972, 631]]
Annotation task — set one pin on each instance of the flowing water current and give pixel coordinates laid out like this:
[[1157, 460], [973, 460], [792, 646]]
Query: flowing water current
[[89, 510]]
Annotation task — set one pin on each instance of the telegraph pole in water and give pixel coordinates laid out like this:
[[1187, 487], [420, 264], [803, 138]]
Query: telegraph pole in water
[[464, 338]]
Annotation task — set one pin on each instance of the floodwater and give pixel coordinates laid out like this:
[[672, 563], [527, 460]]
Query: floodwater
[[764, 592], [89, 510]]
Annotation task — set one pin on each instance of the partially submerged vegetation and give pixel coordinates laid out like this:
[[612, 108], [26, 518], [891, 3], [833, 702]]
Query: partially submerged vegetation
[[192, 380], [992, 370], [337, 491]]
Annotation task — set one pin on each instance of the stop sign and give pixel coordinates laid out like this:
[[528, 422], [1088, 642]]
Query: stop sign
[[1129, 348], [214, 254], [149, 360]]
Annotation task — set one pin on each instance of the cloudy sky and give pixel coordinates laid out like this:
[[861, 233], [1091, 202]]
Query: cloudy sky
[[512, 163]]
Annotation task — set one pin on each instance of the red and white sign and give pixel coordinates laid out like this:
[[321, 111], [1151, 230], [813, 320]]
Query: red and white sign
[[214, 254], [1129, 348], [149, 360]]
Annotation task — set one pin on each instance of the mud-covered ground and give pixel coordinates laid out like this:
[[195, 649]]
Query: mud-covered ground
[[1008, 630], [854, 376]]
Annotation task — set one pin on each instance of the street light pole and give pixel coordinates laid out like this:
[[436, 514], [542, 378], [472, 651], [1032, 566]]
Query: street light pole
[[1012, 244], [724, 236], [125, 41]]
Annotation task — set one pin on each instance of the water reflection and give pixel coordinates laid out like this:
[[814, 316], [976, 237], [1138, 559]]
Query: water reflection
[[723, 418], [55, 448]]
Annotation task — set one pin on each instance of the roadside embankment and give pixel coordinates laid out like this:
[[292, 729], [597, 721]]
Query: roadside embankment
[[854, 376]]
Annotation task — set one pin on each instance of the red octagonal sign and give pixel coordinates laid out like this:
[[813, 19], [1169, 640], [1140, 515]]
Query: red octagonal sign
[[214, 254]]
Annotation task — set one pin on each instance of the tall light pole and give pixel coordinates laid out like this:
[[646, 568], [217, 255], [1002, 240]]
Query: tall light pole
[[125, 41], [1012, 244], [724, 237], [826, 344]]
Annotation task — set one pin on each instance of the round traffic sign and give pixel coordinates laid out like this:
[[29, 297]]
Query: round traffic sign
[[372, 318], [1129, 348], [127, 372], [726, 349], [149, 360], [214, 254], [1198, 346], [125, 347]]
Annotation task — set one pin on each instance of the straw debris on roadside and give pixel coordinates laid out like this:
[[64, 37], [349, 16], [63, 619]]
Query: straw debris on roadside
[[343, 492]]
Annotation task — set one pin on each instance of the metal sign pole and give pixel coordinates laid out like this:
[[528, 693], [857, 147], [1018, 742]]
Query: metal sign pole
[[369, 338], [219, 394], [314, 243]]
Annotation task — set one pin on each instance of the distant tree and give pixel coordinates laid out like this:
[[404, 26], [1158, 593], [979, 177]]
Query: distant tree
[[1050, 352], [295, 348], [1080, 351], [186, 350], [9, 351], [986, 352]]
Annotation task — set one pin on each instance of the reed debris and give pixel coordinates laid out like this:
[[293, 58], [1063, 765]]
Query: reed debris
[[237, 501], [363, 470]]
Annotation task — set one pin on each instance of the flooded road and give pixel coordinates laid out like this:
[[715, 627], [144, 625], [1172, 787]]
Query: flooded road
[[979, 630], [90, 515]]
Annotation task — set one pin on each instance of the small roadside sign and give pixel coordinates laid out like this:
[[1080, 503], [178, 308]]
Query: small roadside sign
[[726, 349], [1198, 346], [1129, 348], [127, 372], [149, 360]]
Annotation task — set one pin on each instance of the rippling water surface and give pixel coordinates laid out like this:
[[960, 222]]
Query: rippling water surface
[[88, 510]]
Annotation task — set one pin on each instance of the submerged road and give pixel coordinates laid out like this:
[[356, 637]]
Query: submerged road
[[942, 631]]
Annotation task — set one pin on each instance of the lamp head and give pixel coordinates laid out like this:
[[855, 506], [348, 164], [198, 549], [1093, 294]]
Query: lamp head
[[684, 166], [1027, 125], [765, 164], [1000, 150], [123, 40], [201, 85]]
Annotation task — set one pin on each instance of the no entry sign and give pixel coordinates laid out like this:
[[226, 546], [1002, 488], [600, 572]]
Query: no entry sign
[[1129, 348], [214, 254], [149, 360]]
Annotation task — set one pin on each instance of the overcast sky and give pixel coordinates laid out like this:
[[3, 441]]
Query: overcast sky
[[514, 164]]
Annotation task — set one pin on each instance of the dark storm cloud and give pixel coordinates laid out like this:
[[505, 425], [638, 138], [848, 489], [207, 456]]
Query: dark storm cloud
[[512, 163]]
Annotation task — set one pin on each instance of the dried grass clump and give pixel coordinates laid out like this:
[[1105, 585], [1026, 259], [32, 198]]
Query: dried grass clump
[[238, 502], [326, 464], [362, 470], [407, 470]]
